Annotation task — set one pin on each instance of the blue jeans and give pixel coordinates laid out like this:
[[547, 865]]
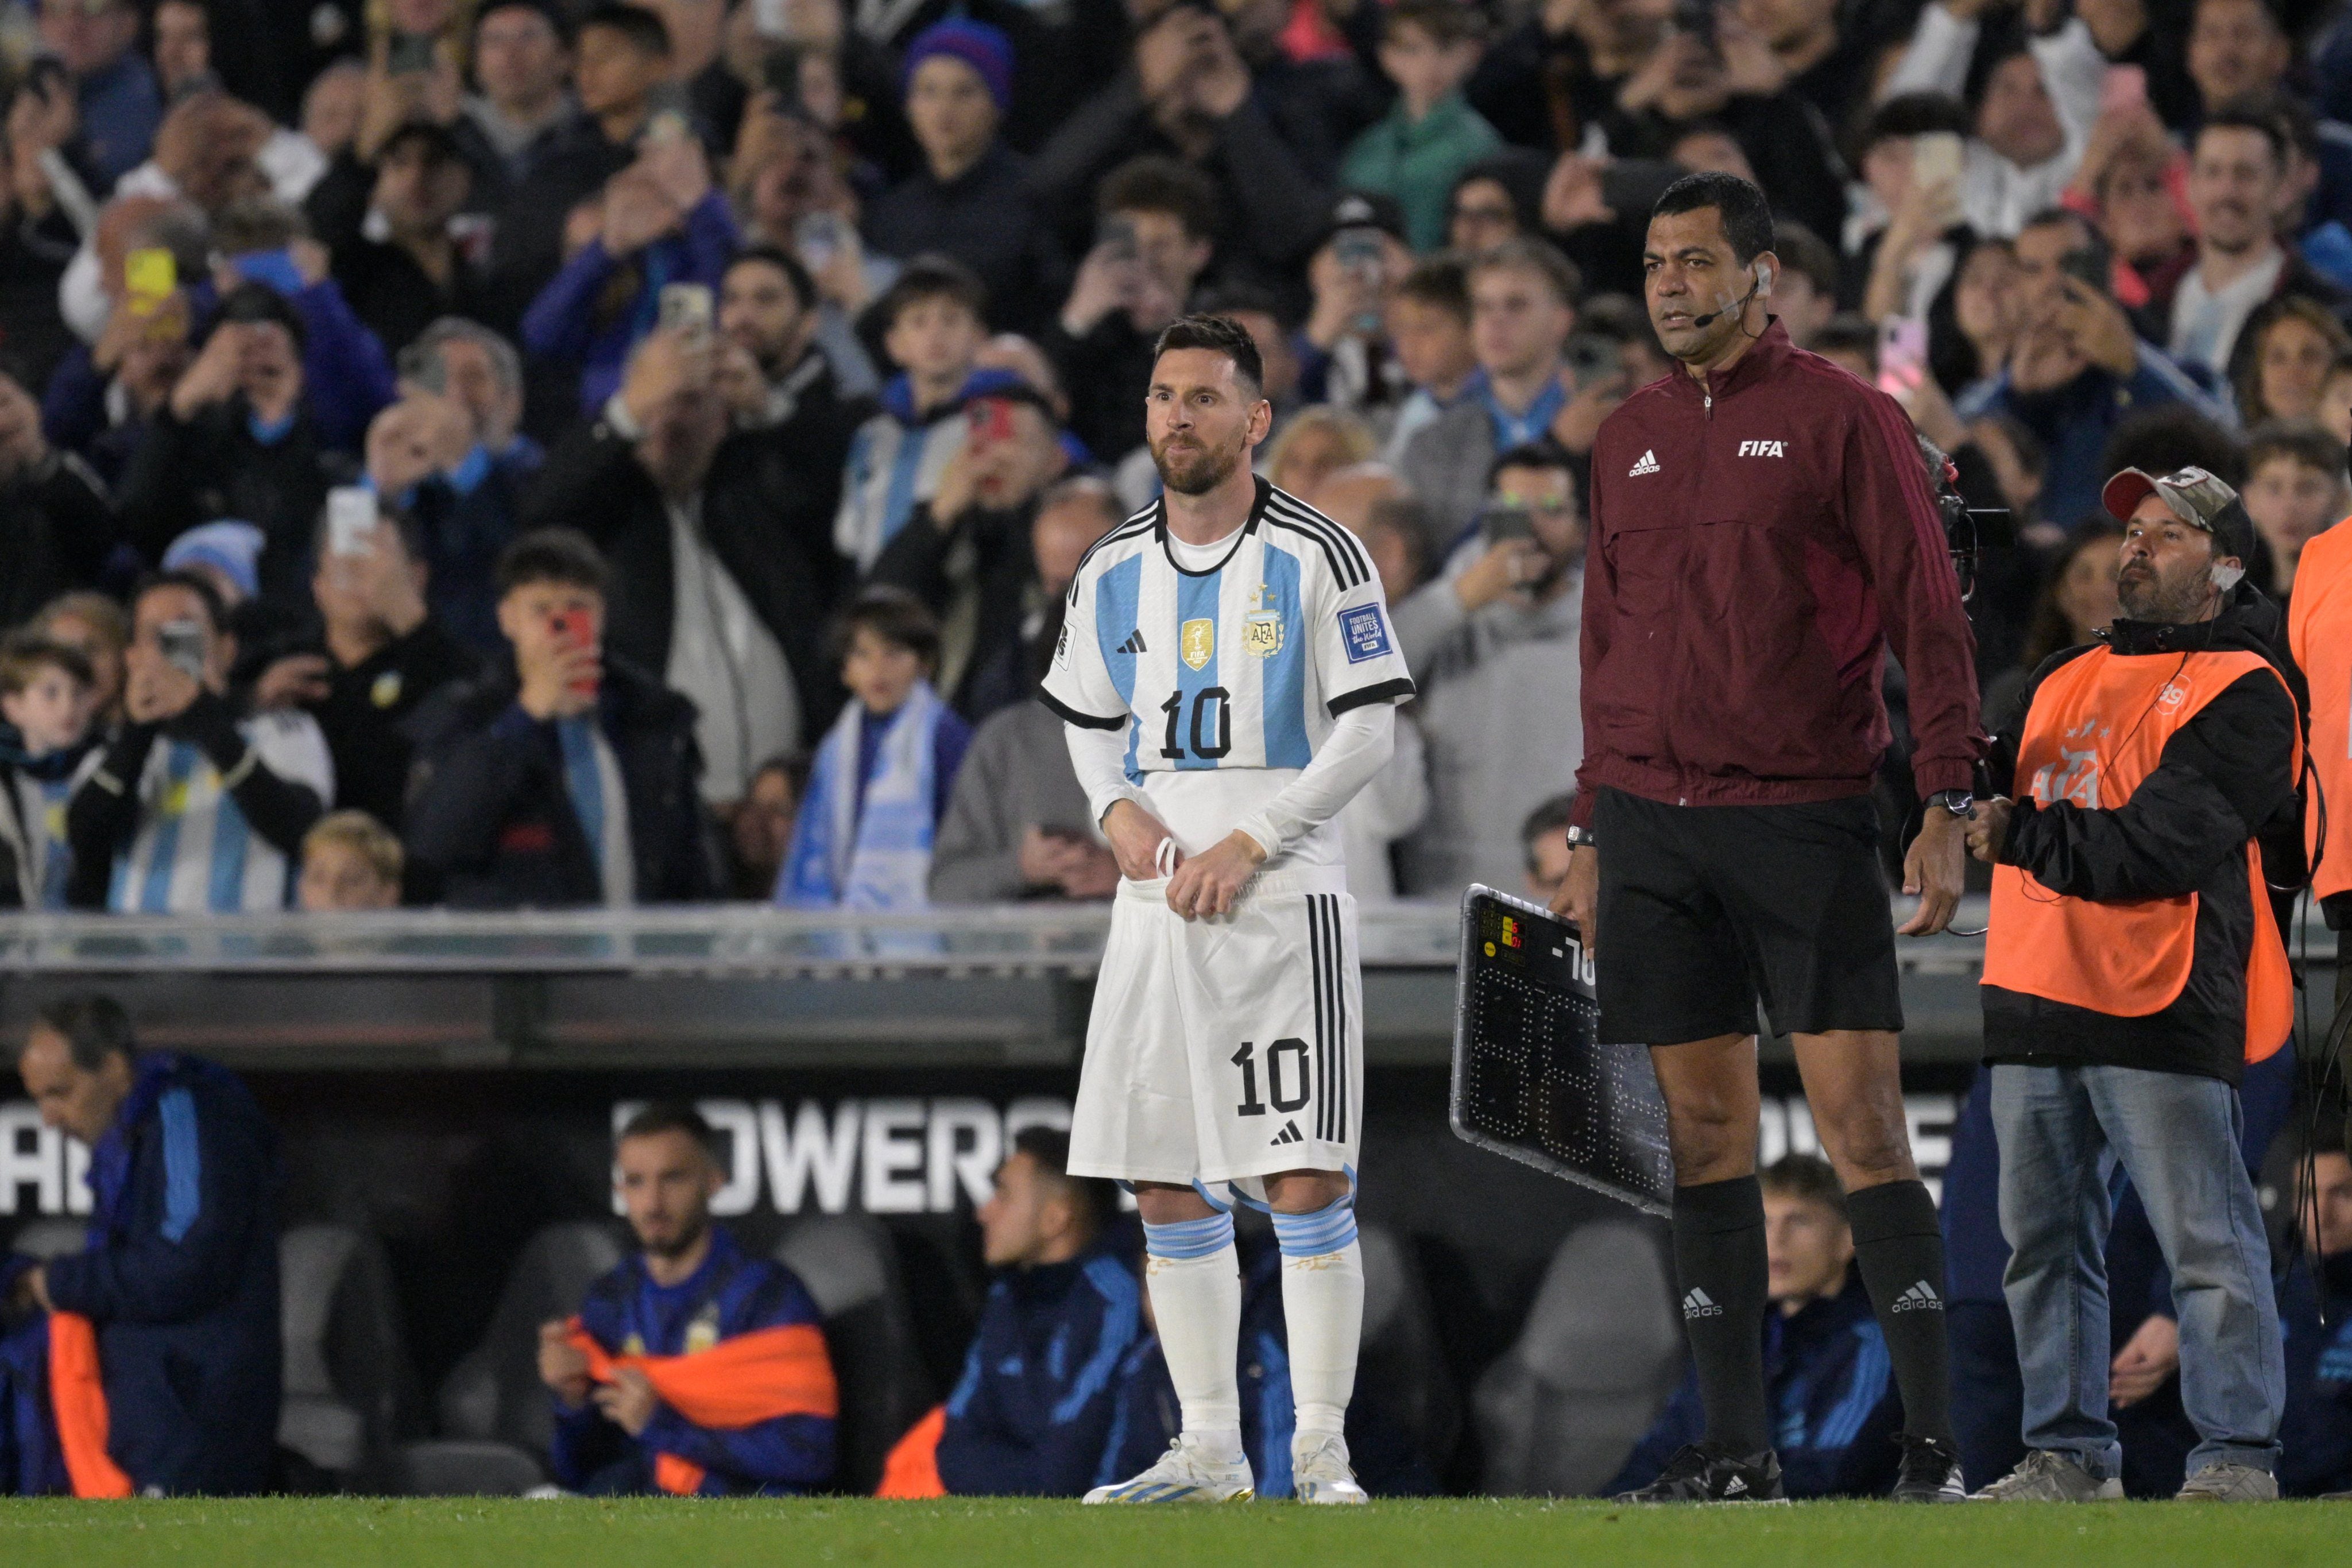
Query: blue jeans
[[2062, 1131]]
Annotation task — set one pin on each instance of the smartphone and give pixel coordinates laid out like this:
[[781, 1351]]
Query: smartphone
[[991, 418], [1936, 158], [351, 521], [2123, 88], [1901, 356], [1499, 524], [409, 53], [818, 238], [150, 277], [1116, 238], [666, 126], [181, 643], [2085, 267], [685, 309], [577, 633], [1696, 18], [779, 73], [1593, 359]]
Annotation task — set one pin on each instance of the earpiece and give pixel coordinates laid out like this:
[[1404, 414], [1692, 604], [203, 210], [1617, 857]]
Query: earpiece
[[2226, 578], [1763, 281]]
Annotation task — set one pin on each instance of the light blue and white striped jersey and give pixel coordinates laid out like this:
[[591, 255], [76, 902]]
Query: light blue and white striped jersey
[[892, 465], [1233, 674], [194, 852]]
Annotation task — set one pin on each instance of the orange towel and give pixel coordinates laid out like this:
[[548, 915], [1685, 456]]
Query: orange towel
[[78, 1399], [738, 1381], [912, 1470]]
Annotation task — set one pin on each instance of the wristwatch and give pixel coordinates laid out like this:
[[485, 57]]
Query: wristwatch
[[1959, 802], [1582, 837]]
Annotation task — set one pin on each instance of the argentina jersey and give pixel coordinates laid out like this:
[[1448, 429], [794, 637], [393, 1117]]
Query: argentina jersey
[[194, 852], [1237, 663]]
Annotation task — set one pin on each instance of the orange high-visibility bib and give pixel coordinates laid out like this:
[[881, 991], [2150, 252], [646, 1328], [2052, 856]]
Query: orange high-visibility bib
[[2319, 634], [2097, 727]]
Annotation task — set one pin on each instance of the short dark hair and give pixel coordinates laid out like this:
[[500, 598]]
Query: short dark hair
[[1445, 22], [93, 1026], [783, 261], [553, 555], [2090, 239], [1550, 816], [257, 302], [1096, 1200], [932, 277], [1803, 251], [1849, 331], [2249, 113], [894, 615], [648, 31], [1909, 114], [2298, 439], [1441, 281], [1218, 335], [1747, 215], [1541, 452], [440, 146], [25, 653], [1153, 183], [216, 609], [1809, 1178], [2175, 435], [670, 1116], [1527, 253]]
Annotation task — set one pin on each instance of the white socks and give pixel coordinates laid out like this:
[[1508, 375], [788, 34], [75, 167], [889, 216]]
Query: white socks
[[1194, 1277], [1323, 1305]]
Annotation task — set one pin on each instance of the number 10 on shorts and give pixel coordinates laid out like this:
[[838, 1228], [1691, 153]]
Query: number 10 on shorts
[[1279, 1073]]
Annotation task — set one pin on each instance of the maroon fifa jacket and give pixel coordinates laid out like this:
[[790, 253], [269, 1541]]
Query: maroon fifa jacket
[[1756, 548]]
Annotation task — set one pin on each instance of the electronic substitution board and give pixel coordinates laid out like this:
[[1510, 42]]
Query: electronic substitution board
[[1532, 1081]]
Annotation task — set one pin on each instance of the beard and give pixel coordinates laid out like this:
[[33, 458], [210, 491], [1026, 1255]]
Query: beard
[[2145, 595], [1192, 468], [679, 1242]]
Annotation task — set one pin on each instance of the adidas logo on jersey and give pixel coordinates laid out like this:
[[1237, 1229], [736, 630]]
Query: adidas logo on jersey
[[1699, 1304], [1648, 464], [1735, 1487], [1920, 1298], [1134, 644], [1289, 1134]]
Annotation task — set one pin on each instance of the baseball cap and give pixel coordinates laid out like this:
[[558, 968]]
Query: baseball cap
[[228, 547], [1363, 210], [2194, 495]]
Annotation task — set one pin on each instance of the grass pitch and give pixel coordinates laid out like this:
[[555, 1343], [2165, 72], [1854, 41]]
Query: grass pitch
[[348, 1533]]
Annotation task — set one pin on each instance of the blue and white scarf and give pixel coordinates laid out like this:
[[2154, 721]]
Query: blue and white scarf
[[878, 857]]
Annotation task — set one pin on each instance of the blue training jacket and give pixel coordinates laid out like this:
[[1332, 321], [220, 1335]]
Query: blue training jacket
[[1831, 1394], [2317, 1427], [180, 1276], [1029, 1414], [731, 1293]]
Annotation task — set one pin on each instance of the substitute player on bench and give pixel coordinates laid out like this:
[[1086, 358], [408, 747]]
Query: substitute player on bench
[[1762, 532], [1228, 676]]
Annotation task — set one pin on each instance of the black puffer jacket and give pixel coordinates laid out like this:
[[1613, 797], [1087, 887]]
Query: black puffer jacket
[[2225, 777]]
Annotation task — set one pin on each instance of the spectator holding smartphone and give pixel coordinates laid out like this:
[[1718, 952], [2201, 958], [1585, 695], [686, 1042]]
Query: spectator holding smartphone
[[571, 778], [193, 809]]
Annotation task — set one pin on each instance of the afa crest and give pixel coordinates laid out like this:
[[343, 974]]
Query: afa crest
[[1262, 635], [1198, 642]]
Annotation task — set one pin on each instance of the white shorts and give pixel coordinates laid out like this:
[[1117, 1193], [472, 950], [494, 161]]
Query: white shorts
[[1227, 1049]]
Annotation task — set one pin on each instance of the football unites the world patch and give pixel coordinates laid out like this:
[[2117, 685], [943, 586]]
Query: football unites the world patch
[[1365, 631]]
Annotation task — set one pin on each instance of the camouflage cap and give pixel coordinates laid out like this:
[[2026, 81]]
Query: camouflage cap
[[2194, 495]]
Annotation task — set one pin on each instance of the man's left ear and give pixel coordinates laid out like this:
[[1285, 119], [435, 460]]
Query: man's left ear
[[2228, 572]]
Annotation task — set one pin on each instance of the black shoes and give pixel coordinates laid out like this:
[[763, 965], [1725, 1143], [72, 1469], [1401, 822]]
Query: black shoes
[[1707, 1472], [1931, 1473]]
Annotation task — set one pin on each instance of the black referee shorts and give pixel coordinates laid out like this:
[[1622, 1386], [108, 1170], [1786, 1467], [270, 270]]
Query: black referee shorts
[[1705, 910]]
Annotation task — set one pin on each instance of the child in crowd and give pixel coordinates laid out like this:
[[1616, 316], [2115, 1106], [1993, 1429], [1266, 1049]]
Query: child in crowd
[[2294, 492], [933, 327], [881, 779], [46, 696], [350, 861], [1428, 48], [1429, 332]]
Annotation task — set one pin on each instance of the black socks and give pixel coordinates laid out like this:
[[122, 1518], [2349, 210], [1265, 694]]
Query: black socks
[[1901, 1252], [1719, 1264]]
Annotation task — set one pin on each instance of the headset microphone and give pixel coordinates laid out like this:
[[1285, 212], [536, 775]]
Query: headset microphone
[[1762, 282]]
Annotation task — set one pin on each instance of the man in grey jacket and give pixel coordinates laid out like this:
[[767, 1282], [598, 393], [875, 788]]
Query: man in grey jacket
[[1493, 644], [1016, 823]]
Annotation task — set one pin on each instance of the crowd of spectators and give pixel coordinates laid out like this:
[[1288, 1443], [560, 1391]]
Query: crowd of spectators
[[413, 407]]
